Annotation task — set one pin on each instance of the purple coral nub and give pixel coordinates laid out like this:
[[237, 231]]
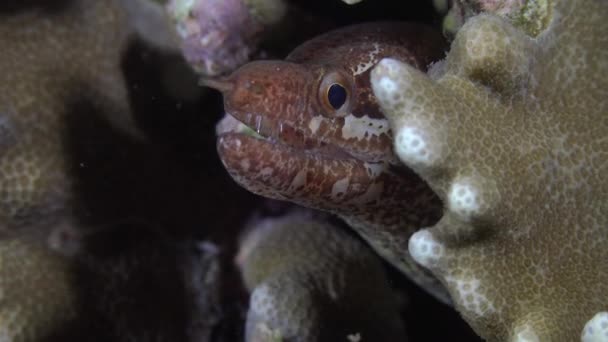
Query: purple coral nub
[[217, 36]]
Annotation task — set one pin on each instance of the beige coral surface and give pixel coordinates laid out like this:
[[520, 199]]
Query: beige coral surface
[[56, 60], [512, 133], [37, 294], [311, 281]]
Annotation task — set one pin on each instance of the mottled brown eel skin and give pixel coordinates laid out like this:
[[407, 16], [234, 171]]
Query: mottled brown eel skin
[[322, 140]]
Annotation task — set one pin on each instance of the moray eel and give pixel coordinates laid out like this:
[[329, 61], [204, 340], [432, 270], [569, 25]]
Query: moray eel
[[322, 140]]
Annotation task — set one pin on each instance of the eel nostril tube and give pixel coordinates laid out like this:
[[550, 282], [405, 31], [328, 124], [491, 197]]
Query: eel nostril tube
[[222, 85]]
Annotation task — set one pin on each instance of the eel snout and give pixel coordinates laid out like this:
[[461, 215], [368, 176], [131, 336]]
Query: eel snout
[[268, 96], [222, 85]]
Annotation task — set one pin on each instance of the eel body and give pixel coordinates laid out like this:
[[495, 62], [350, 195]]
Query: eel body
[[322, 140]]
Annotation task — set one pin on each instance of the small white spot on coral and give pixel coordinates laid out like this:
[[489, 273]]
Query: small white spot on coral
[[356, 337], [464, 199], [268, 333], [469, 295], [411, 146], [262, 300], [387, 84], [596, 330], [425, 249], [525, 334], [390, 65]]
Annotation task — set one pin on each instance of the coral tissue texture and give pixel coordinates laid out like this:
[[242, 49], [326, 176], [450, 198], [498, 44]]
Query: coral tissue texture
[[310, 281], [36, 291], [512, 133], [55, 58]]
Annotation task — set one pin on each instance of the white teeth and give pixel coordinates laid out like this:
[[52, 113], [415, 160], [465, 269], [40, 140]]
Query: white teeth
[[258, 123], [230, 124]]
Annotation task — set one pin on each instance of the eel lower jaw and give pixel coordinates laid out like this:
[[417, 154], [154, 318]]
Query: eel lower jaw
[[314, 177]]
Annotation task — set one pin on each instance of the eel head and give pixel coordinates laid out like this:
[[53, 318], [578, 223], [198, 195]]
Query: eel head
[[316, 135]]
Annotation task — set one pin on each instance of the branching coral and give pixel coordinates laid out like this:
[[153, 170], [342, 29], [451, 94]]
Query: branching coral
[[512, 133], [313, 282]]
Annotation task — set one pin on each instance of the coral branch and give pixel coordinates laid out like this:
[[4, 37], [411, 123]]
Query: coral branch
[[510, 132], [313, 282]]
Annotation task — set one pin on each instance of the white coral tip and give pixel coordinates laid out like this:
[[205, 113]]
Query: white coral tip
[[464, 199], [596, 330], [527, 334], [412, 147], [424, 249]]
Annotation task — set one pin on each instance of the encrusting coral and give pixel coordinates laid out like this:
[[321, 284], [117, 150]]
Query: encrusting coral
[[511, 131], [37, 294], [124, 284], [62, 63], [311, 281], [55, 57]]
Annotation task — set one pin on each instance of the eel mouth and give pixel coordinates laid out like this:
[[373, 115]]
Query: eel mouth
[[277, 131], [270, 156], [315, 176], [279, 135]]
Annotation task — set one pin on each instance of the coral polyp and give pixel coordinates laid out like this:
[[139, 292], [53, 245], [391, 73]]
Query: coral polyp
[[511, 132]]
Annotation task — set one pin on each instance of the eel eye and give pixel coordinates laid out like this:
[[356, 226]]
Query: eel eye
[[335, 93]]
